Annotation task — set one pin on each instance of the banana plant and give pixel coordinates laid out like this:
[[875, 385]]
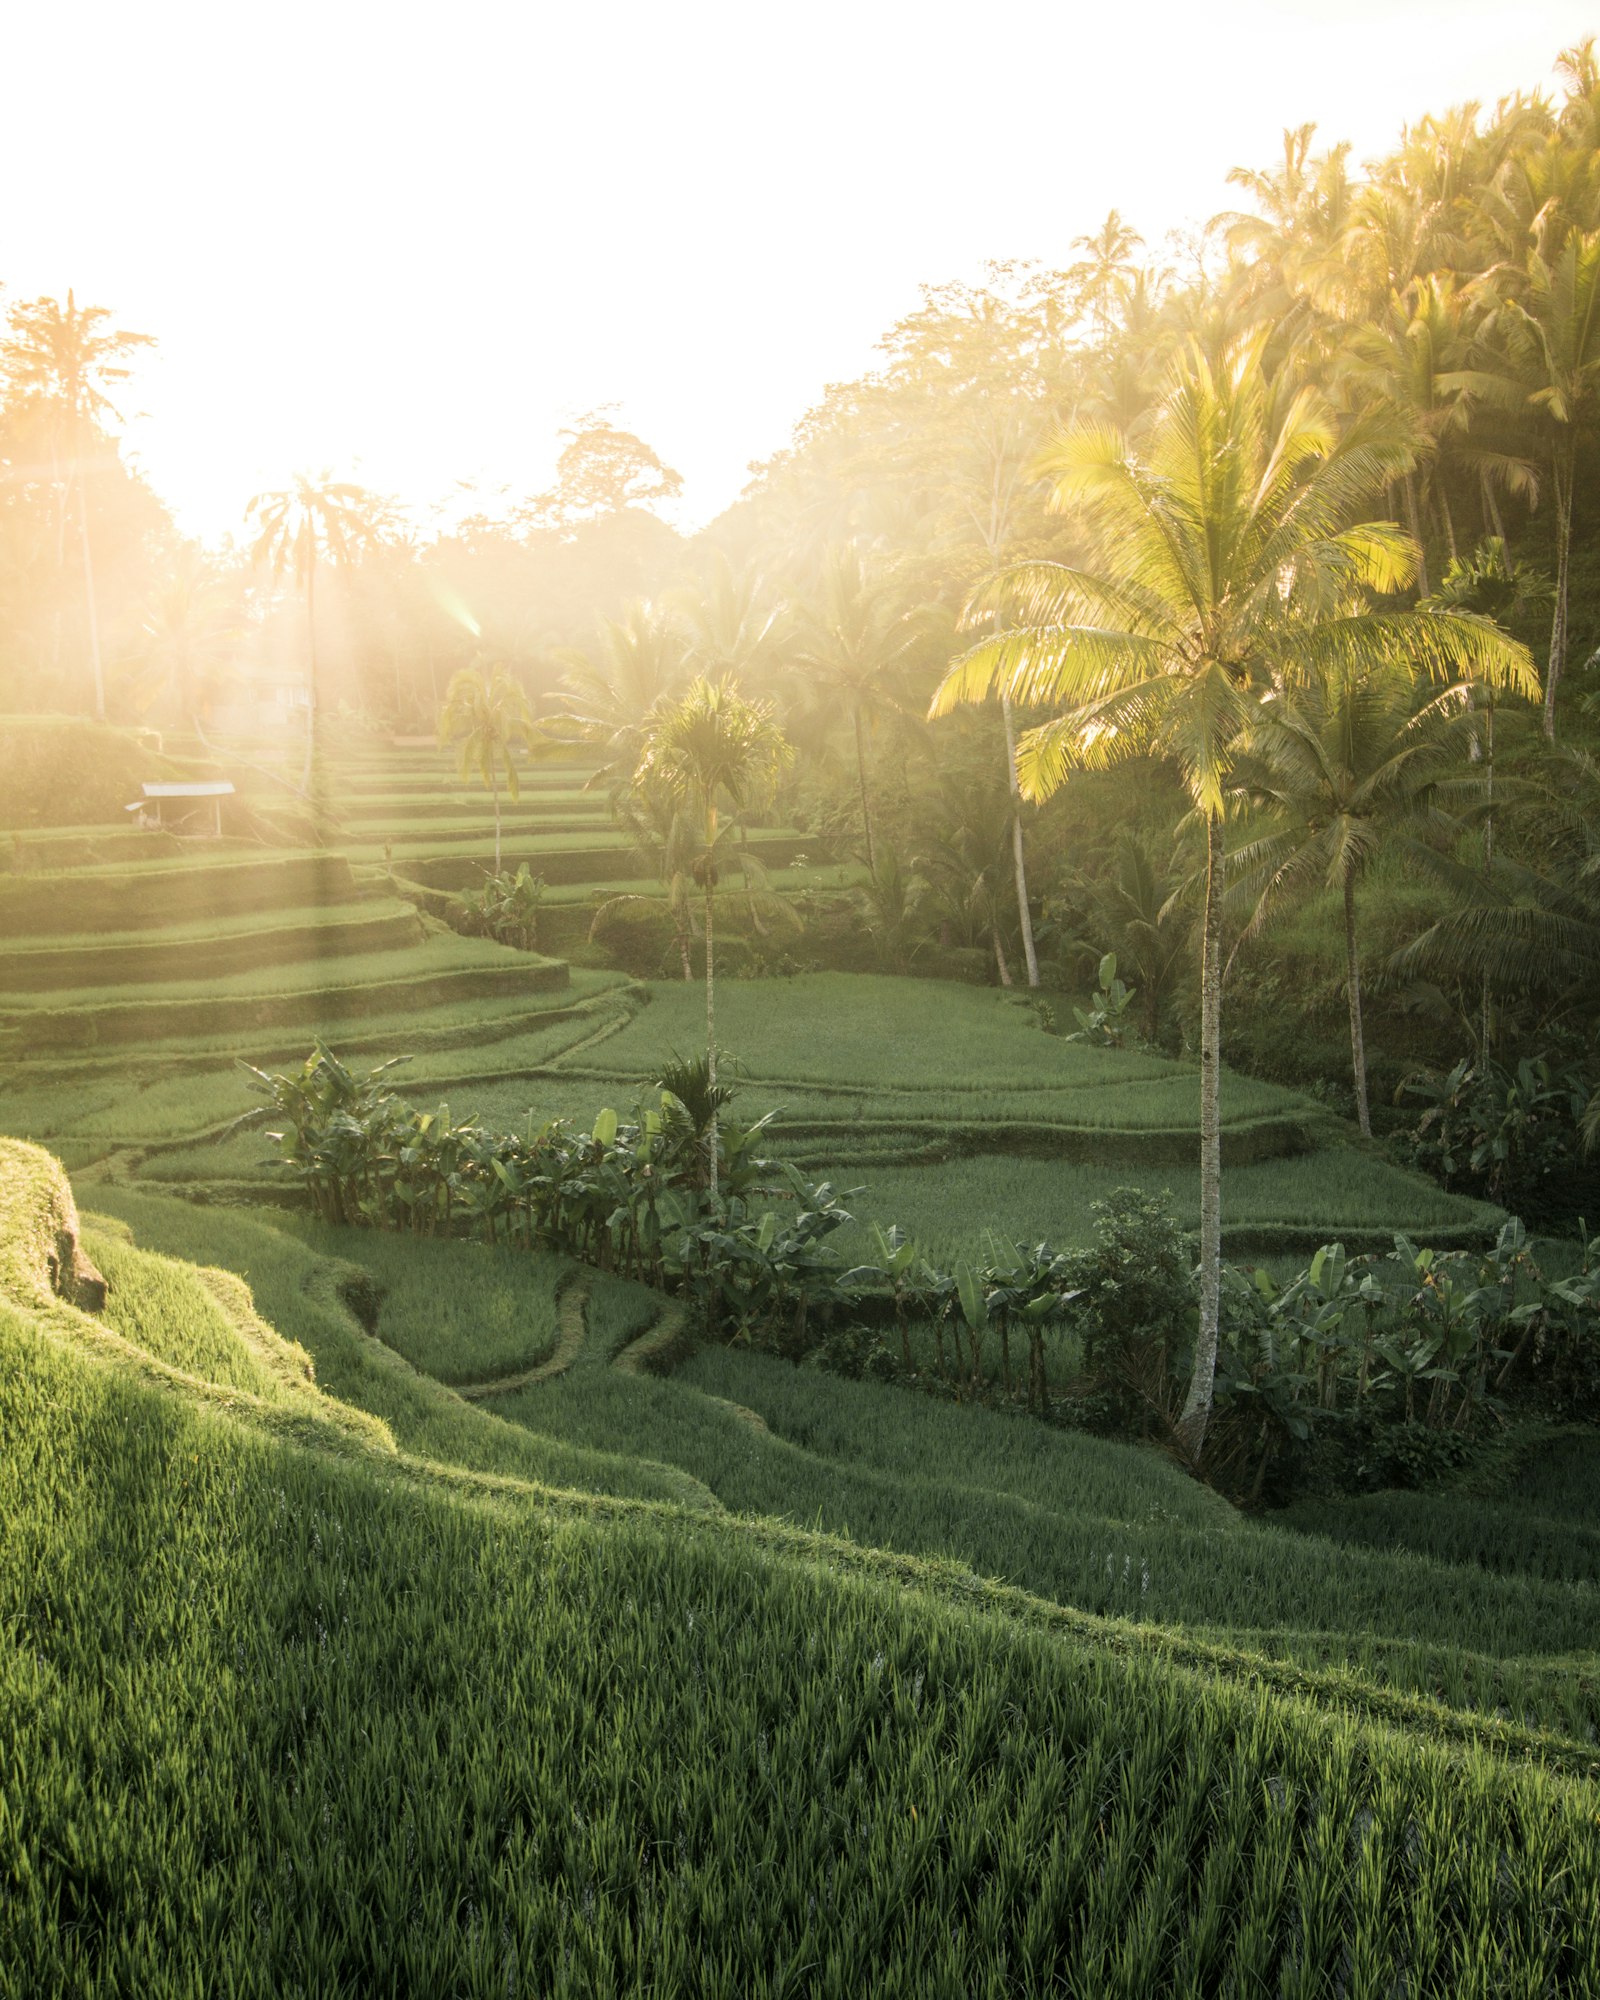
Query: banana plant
[[1106, 1024]]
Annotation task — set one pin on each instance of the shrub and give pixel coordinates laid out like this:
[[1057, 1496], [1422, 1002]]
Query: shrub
[[1136, 1311]]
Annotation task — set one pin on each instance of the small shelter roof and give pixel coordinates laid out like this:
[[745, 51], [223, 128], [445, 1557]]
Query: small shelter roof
[[209, 788]]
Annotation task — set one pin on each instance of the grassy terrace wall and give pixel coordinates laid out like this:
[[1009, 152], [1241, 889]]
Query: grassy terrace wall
[[310, 1665], [337, 992], [271, 937], [199, 888]]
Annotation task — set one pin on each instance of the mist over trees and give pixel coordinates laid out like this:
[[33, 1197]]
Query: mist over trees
[[1445, 297]]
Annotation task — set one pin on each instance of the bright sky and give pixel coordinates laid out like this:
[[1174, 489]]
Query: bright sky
[[408, 243]]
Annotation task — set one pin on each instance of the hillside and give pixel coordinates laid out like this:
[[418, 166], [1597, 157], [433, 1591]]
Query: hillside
[[323, 1676]]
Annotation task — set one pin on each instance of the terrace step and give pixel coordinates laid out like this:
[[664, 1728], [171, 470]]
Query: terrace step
[[432, 804], [130, 958], [39, 1030], [147, 897], [575, 864], [403, 835], [572, 1332]]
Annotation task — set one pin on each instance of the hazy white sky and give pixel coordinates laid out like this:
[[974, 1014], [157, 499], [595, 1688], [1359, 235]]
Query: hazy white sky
[[409, 242]]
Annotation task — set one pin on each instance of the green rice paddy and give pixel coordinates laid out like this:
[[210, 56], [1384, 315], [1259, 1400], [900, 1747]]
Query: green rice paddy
[[741, 1681]]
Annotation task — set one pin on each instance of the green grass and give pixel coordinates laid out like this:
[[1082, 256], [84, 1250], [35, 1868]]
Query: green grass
[[177, 953], [302, 1295], [277, 996], [185, 888], [1335, 1192], [163, 1306], [1542, 1522], [461, 1312], [1037, 1129], [1104, 1528], [295, 976], [324, 1720]]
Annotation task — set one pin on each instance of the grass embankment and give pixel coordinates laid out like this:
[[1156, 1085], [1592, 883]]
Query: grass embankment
[[1099, 1527], [318, 1719], [276, 938]]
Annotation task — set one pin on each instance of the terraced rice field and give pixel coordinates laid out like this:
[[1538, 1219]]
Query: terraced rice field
[[128, 989], [737, 1681]]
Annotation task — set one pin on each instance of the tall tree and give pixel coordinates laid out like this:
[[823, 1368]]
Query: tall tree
[[299, 527], [1229, 562], [1341, 766], [712, 748], [1549, 320], [731, 623], [855, 642], [181, 658], [609, 692], [486, 713], [602, 470], [66, 357]]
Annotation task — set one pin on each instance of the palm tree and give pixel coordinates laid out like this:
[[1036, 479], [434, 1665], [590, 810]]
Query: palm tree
[[1525, 924], [187, 630], [1339, 766], [855, 643], [300, 526], [1230, 564], [665, 843], [488, 715], [66, 357], [730, 623], [1549, 319], [610, 692], [965, 858], [709, 748], [1103, 272]]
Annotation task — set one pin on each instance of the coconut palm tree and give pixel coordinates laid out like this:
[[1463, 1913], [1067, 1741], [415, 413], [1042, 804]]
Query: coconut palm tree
[[300, 527], [188, 628], [487, 714], [731, 623], [1339, 767], [1548, 319], [1230, 562], [665, 843], [855, 644], [610, 691], [66, 357], [709, 749]]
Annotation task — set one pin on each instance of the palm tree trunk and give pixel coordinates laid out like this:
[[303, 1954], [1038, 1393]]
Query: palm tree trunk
[[90, 604], [1491, 507], [1563, 466], [1358, 1042], [866, 810], [494, 786], [711, 1033], [999, 955], [312, 704], [1018, 864], [1197, 1408], [1414, 522], [1487, 1031]]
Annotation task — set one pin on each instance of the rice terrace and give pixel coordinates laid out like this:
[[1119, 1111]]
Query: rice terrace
[[820, 1227]]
